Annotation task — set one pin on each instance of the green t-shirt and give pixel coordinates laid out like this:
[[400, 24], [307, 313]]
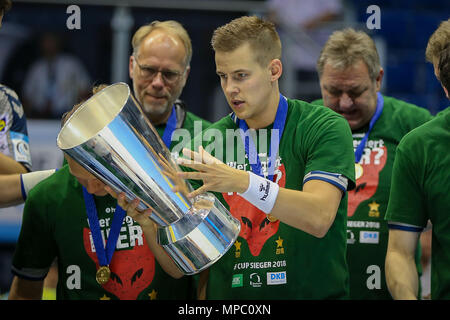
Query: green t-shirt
[[420, 191], [55, 225], [367, 232], [271, 260]]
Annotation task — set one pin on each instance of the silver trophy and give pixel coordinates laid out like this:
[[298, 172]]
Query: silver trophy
[[110, 137]]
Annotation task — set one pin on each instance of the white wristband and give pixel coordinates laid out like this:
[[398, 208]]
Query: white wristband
[[262, 193], [30, 179]]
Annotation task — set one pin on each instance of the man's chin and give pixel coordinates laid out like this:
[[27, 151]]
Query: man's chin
[[156, 109], [355, 124]]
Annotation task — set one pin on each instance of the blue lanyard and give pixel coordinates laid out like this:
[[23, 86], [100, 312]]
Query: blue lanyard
[[104, 255], [249, 145], [359, 150], [171, 125]]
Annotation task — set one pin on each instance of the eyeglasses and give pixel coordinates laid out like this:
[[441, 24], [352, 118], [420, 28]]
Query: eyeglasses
[[149, 73]]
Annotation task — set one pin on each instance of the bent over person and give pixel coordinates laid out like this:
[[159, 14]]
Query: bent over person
[[60, 217], [350, 80], [159, 67]]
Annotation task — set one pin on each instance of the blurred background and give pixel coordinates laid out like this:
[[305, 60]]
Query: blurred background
[[97, 50]]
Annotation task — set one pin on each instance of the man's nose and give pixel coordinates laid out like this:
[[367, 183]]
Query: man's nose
[[230, 87], [345, 102], [158, 80]]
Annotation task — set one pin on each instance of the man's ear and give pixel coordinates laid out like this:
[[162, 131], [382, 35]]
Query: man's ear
[[379, 79], [276, 69]]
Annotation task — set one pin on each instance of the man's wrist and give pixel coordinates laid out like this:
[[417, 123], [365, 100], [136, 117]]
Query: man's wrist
[[261, 192]]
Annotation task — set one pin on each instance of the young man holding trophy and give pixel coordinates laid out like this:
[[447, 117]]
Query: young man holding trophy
[[286, 173], [69, 216]]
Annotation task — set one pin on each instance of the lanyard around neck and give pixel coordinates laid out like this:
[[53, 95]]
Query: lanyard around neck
[[171, 125], [360, 148], [249, 145], [104, 255]]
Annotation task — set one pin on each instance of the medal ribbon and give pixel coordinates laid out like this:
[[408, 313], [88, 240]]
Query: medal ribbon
[[171, 125], [359, 150], [104, 255], [250, 149]]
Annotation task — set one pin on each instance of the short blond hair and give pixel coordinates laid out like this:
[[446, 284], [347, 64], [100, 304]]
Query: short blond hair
[[67, 114], [260, 34], [170, 26], [346, 47], [438, 41]]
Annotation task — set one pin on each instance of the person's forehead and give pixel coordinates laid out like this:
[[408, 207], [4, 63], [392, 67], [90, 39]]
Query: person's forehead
[[162, 49], [241, 58], [354, 75], [161, 38]]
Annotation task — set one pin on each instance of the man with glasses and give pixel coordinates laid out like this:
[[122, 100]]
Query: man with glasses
[[159, 67]]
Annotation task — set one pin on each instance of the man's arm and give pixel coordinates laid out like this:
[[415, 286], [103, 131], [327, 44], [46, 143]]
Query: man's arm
[[9, 165], [14, 187], [22, 289], [401, 272], [10, 190], [312, 210]]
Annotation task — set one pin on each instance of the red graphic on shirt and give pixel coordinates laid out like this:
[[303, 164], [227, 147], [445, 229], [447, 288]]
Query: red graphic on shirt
[[255, 228], [131, 270], [367, 184]]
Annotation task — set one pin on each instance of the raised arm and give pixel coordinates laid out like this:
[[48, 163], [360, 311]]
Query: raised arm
[[15, 187], [312, 210]]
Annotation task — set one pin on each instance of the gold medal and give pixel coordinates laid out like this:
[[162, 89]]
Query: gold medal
[[358, 171], [271, 218], [103, 274]]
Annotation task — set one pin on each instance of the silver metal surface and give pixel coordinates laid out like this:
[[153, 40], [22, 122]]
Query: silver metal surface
[[110, 137]]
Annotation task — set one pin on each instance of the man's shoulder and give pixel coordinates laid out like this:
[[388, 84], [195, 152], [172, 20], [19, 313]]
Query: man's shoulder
[[436, 126], [6, 95], [406, 109], [4, 89], [192, 117], [55, 185], [10, 104], [224, 123], [401, 117], [311, 112]]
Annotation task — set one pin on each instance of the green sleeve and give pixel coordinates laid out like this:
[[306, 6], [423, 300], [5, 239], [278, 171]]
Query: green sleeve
[[329, 146], [406, 203], [36, 249]]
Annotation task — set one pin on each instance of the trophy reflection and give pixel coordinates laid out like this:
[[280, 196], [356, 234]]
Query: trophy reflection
[[111, 138]]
